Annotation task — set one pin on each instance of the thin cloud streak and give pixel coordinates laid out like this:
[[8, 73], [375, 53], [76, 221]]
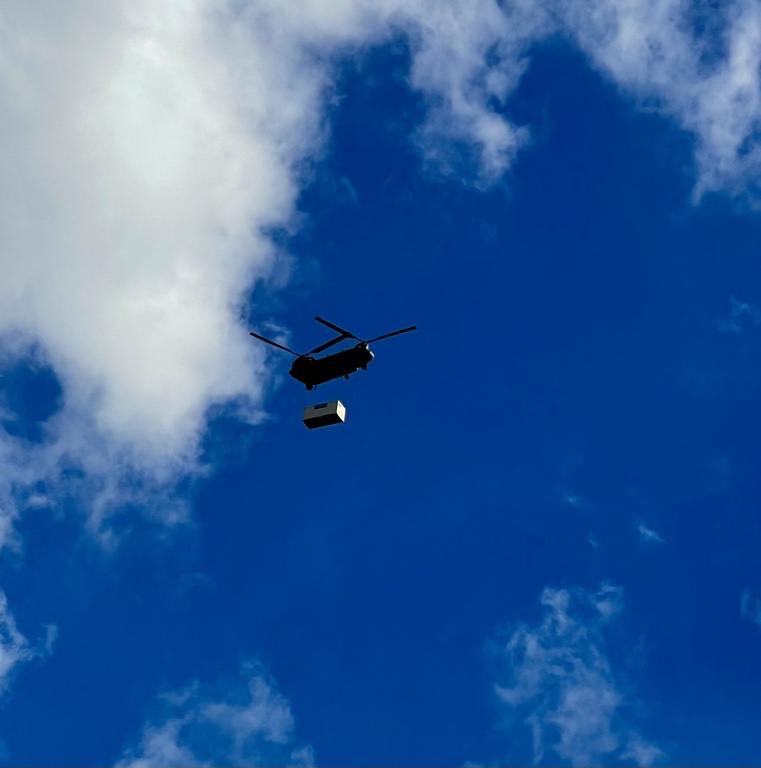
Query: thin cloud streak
[[750, 606], [648, 535]]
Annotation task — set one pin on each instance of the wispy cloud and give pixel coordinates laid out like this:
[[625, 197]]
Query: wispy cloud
[[16, 651], [557, 679], [14, 647], [750, 606], [574, 500], [244, 721], [648, 535], [740, 310], [709, 82]]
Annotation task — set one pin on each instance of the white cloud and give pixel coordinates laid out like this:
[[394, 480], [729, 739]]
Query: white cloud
[[147, 149], [708, 83], [463, 55], [454, 42], [648, 535], [557, 679], [641, 752], [240, 722], [144, 149]]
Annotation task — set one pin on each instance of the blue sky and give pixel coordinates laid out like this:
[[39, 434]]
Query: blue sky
[[535, 539]]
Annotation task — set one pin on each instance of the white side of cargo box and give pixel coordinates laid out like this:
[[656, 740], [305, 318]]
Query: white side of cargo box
[[324, 414]]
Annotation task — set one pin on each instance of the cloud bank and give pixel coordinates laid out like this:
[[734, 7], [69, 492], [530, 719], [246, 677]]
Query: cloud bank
[[240, 722], [147, 152], [558, 681]]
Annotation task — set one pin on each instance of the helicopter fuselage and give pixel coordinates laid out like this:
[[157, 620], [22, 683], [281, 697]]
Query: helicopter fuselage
[[311, 371]]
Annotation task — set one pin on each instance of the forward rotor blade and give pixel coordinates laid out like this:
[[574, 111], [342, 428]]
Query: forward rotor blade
[[336, 328], [274, 344], [395, 333], [328, 344]]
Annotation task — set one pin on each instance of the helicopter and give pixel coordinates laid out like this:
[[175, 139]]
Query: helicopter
[[311, 371]]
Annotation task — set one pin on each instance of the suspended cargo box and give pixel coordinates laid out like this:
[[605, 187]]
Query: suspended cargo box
[[324, 414]]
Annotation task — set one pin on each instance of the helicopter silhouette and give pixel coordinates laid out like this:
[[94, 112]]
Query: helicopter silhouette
[[311, 371]]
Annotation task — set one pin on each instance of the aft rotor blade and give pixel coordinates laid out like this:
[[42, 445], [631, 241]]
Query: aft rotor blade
[[346, 334], [328, 344], [274, 344], [395, 333]]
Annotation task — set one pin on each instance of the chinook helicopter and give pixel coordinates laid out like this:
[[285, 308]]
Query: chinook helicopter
[[311, 371]]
